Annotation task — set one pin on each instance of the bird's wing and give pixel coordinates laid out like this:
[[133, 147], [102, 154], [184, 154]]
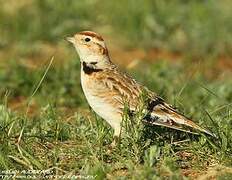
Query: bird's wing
[[162, 114], [124, 88]]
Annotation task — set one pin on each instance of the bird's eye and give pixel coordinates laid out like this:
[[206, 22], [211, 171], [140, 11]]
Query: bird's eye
[[87, 39]]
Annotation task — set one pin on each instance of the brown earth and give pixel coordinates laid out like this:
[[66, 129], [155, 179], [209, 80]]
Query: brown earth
[[129, 58]]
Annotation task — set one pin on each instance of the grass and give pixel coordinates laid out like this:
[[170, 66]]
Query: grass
[[79, 142], [45, 121]]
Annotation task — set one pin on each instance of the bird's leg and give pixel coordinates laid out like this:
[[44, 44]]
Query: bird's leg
[[116, 138], [116, 141]]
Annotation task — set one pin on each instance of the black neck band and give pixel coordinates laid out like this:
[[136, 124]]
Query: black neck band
[[89, 69]]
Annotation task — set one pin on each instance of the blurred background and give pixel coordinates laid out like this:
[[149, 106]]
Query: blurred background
[[186, 39], [180, 49]]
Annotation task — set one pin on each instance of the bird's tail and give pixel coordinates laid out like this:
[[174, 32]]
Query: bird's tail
[[176, 121]]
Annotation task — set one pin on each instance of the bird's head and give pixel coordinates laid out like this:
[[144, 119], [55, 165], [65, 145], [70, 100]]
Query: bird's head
[[90, 46]]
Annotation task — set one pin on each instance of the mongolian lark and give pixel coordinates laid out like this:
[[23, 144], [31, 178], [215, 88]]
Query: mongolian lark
[[107, 88]]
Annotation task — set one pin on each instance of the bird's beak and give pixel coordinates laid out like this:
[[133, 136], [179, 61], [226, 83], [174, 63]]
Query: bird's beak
[[70, 39]]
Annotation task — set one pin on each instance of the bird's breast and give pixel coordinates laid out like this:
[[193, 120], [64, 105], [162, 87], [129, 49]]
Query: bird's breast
[[100, 99]]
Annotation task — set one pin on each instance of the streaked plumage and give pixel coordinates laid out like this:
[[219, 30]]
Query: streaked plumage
[[107, 88]]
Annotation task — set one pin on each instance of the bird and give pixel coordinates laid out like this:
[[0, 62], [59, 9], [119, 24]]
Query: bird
[[107, 88]]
